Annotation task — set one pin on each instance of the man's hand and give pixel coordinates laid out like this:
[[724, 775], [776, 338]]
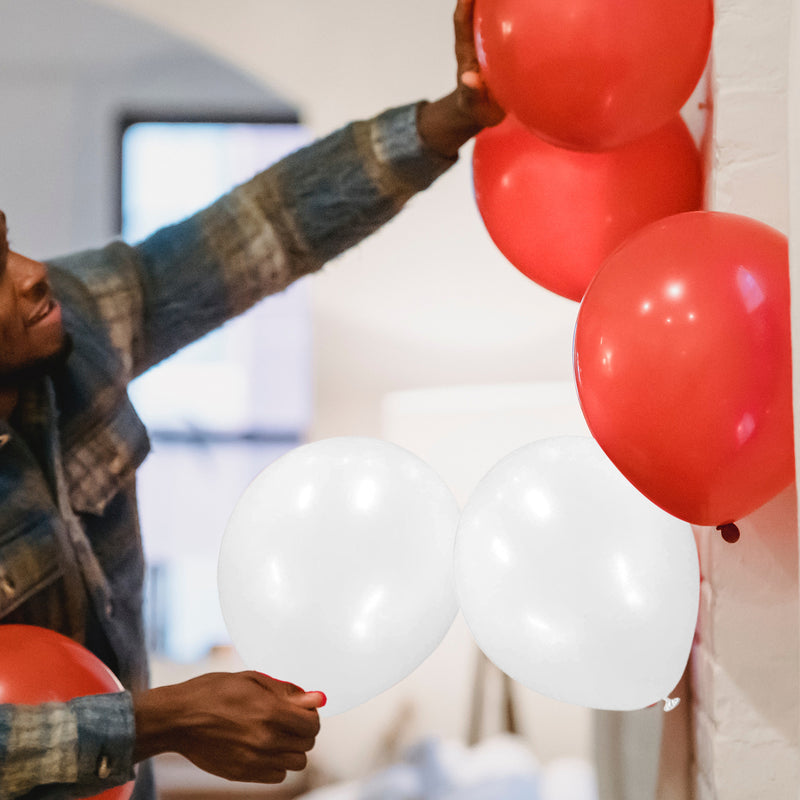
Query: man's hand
[[241, 726], [446, 124], [474, 97]]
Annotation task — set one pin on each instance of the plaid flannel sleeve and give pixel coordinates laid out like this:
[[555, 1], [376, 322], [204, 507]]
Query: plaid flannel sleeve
[[189, 278], [72, 749]]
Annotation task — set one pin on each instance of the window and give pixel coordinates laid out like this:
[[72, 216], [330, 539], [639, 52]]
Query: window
[[169, 170]]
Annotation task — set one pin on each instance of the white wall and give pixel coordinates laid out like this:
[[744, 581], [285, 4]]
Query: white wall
[[68, 70]]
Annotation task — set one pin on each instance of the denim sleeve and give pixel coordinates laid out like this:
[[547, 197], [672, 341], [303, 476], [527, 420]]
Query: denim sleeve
[[187, 279], [72, 749]]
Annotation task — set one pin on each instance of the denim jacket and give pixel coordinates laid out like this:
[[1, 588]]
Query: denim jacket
[[70, 547]]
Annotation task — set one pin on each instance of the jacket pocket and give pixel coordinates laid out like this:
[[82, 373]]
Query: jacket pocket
[[29, 562], [104, 460]]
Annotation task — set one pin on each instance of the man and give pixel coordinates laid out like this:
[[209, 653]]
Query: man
[[72, 335]]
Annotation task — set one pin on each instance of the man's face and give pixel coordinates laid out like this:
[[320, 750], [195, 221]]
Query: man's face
[[31, 332]]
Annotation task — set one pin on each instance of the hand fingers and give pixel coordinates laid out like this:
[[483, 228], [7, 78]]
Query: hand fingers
[[297, 695], [274, 771], [311, 700], [272, 776], [296, 762], [275, 684], [302, 698], [472, 79], [296, 721], [296, 712], [285, 742], [466, 55], [463, 16]]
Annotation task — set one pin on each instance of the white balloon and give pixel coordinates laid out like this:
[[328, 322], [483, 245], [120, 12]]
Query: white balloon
[[572, 582], [336, 568]]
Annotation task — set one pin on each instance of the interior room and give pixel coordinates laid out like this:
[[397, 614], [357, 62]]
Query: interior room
[[424, 336]]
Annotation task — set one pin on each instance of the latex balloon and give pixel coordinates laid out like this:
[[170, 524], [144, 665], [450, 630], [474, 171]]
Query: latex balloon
[[556, 214], [682, 357], [335, 570], [38, 665], [592, 74], [572, 582]]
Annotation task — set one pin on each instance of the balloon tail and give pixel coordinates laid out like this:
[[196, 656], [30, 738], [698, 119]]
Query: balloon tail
[[671, 703], [730, 533]]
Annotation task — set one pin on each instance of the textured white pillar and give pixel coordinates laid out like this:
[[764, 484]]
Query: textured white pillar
[[745, 662]]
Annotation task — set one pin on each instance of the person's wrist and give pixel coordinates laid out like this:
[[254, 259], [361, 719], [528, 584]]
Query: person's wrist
[[444, 125], [155, 715]]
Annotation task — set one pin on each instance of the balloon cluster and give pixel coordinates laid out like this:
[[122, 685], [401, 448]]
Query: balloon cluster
[[345, 561], [591, 187], [593, 146]]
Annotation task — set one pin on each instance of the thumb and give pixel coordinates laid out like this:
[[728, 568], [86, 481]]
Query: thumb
[[311, 699], [472, 79]]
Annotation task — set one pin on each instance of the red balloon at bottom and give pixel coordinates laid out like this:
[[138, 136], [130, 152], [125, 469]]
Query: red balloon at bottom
[[38, 665], [556, 214], [684, 367]]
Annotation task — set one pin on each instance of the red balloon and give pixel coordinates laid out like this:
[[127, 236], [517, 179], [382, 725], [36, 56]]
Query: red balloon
[[556, 214], [592, 74], [682, 358], [38, 665]]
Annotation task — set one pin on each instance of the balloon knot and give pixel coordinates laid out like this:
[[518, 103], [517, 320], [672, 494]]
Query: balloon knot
[[730, 533], [670, 703]]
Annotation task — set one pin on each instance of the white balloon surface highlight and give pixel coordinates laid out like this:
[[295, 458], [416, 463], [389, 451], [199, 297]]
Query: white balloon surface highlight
[[336, 568], [574, 583]]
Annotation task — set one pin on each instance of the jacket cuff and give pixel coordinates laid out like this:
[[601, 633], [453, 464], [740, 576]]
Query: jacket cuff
[[397, 143], [106, 734]]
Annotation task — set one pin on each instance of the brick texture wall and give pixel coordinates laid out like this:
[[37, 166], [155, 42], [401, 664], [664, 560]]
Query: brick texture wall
[[744, 669]]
